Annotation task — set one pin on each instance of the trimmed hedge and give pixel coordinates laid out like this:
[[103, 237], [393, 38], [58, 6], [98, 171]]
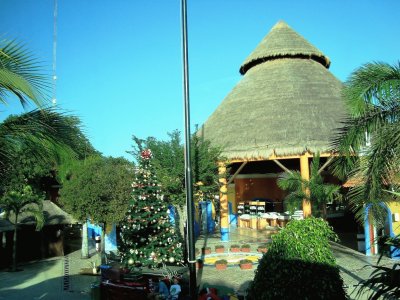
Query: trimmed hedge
[[299, 264]]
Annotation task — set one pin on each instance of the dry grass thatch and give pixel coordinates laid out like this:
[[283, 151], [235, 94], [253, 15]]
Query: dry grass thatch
[[282, 41], [283, 106], [53, 215]]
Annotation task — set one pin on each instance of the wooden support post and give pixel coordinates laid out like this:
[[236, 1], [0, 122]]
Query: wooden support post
[[223, 200], [305, 174]]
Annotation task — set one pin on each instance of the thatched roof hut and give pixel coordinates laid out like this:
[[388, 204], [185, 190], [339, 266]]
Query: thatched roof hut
[[287, 102], [53, 215]]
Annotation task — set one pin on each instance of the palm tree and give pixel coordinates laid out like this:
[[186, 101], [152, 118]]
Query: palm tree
[[16, 203], [21, 75], [369, 142], [313, 190]]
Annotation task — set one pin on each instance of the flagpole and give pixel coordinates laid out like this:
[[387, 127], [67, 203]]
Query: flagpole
[[188, 172]]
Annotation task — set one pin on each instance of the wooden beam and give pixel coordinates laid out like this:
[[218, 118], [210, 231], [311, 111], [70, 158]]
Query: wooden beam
[[237, 172], [327, 163], [282, 166], [274, 156]]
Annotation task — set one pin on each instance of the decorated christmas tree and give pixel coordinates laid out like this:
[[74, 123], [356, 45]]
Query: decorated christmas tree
[[147, 235]]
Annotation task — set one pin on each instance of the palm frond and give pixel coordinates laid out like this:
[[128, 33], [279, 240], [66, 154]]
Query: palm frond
[[46, 133], [21, 74]]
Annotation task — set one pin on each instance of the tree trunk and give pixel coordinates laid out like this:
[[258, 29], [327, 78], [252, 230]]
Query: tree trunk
[[14, 254], [103, 244], [324, 212], [85, 245]]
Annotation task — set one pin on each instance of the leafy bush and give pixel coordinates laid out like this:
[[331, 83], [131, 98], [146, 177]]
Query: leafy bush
[[221, 262], [245, 261], [219, 247], [299, 264]]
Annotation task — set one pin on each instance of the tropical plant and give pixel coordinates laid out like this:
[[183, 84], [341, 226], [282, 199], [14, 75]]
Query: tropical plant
[[384, 281], [34, 144], [369, 141], [21, 75], [299, 264], [19, 202], [314, 190]]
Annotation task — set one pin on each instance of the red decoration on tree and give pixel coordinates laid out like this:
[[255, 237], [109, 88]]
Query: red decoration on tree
[[146, 154]]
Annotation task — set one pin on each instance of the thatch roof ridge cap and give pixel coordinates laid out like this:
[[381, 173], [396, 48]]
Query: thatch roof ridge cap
[[274, 46]]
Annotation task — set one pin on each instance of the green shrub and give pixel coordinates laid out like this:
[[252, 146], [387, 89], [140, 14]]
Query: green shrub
[[299, 264], [245, 261], [221, 262]]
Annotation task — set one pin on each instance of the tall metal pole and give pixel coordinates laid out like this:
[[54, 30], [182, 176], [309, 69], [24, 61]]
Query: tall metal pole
[[188, 171], [54, 100]]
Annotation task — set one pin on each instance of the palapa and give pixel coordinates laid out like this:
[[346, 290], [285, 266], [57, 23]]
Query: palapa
[[287, 102]]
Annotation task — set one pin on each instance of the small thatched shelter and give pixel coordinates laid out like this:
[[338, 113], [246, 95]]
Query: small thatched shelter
[[34, 244], [286, 107]]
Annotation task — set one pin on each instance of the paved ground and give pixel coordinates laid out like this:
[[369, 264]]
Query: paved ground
[[59, 278]]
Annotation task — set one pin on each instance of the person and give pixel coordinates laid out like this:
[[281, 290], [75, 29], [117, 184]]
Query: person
[[208, 294], [174, 290], [162, 290]]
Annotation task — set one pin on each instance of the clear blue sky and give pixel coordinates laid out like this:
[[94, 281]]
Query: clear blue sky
[[119, 62]]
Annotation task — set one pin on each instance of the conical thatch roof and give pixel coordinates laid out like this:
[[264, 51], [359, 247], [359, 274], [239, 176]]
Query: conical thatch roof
[[286, 103], [282, 41]]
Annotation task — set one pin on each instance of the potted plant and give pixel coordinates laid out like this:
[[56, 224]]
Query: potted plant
[[246, 264], [206, 250], [219, 249], [221, 264], [245, 248], [199, 264], [235, 248], [262, 248]]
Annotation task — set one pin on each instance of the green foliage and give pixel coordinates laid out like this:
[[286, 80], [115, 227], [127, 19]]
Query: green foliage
[[245, 261], [35, 144], [23, 201], [169, 164], [319, 193], [369, 142], [21, 74], [221, 262], [98, 188], [16, 202], [148, 238], [299, 264], [384, 282]]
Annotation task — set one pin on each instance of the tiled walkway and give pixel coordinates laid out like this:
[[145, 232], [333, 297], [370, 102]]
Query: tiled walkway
[[46, 279]]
